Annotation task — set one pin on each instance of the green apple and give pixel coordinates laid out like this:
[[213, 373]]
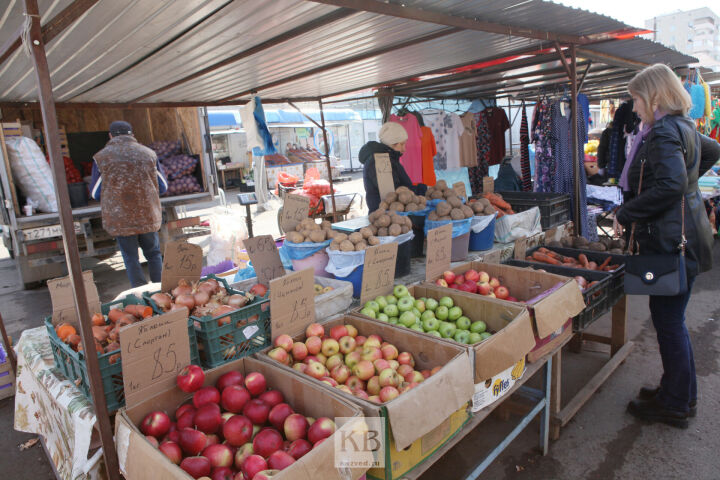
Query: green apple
[[372, 304], [441, 313], [400, 291], [463, 323], [420, 305], [405, 304], [461, 336], [446, 302], [369, 312], [486, 335], [390, 299], [454, 313], [416, 312], [474, 338], [417, 328], [393, 320], [478, 327], [392, 310], [434, 333], [447, 330], [424, 299], [380, 300], [383, 317], [431, 304], [407, 319], [427, 314], [431, 323]]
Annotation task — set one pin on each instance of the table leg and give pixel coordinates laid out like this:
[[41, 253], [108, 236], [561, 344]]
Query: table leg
[[618, 333], [556, 393], [545, 415], [575, 345], [222, 172]]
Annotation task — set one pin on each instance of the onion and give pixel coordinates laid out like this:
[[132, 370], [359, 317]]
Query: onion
[[222, 310], [201, 298], [162, 300], [185, 300], [213, 282], [206, 287], [581, 281], [237, 300], [182, 288]]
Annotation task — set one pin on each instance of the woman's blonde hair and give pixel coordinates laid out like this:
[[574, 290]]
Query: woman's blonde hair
[[660, 89]]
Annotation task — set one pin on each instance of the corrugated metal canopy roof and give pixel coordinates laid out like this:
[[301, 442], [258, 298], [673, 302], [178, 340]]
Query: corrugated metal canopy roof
[[119, 52]]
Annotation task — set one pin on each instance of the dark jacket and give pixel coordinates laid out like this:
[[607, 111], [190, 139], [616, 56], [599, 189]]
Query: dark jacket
[[672, 160], [400, 176]]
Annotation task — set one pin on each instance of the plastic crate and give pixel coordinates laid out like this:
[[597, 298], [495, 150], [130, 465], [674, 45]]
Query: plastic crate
[[73, 367], [248, 331], [597, 297], [555, 208]]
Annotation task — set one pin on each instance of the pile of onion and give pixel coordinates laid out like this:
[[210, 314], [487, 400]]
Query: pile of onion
[[205, 298]]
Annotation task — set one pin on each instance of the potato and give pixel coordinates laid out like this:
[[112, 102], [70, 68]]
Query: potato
[[477, 207], [429, 191], [489, 210], [412, 207], [384, 205], [366, 232], [374, 216], [443, 208], [395, 230], [433, 216], [374, 229], [445, 217], [467, 211], [330, 233], [390, 197], [308, 222], [397, 207], [382, 232], [454, 201], [295, 237], [441, 184], [317, 236], [484, 202], [306, 233], [437, 194], [355, 237], [372, 241], [405, 197], [422, 201], [395, 218], [334, 245], [299, 227], [347, 246], [597, 246], [405, 229], [383, 221], [457, 214], [361, 245], [402, 189], [340, 237], [326, 225], [408, 222], [315, 227]]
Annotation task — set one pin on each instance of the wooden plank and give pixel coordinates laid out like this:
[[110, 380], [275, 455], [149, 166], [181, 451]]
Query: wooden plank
[[183, 222], [618, 333], [590, 337], [555, 393], [575, 345]]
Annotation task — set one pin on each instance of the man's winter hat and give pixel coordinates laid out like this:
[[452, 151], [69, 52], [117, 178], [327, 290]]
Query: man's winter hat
[[119, 127]]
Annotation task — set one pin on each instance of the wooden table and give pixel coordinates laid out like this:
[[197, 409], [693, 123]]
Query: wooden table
[[229, 167]]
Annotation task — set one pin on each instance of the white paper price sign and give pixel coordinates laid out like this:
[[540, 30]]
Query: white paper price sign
[[383, 171], [292, 302], [439, 246], [182, 260], [295, 209], [379, 271], [265, 258]]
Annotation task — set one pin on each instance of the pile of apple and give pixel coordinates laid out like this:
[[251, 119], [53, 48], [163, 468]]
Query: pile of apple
[[441, 318], [473, 281], [366, 367], [236, 430]]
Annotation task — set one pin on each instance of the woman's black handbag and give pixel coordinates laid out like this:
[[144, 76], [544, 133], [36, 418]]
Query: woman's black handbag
[[658, 274]]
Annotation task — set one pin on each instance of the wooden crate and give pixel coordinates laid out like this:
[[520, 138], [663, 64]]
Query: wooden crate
[[7, 377]]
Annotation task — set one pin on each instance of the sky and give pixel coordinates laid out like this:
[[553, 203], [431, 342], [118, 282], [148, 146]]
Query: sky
[[635, 12]]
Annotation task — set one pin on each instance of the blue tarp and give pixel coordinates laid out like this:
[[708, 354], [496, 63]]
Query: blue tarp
[[229, 119]]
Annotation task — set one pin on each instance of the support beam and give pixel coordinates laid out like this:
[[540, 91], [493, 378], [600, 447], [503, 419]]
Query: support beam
[[308, 117], [610, 59], [563, 59], [327, 159], [72, 254], [575, 139], [584, 75]]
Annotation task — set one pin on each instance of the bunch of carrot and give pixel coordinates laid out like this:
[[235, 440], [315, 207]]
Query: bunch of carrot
[[544, 255], [502, 207]]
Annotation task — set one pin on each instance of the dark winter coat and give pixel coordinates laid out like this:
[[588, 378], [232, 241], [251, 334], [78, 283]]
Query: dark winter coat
[[400, 176], [672, 155]]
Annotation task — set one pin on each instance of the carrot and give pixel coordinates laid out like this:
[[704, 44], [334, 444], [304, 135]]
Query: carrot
[[605, 263], [529, 258], [140, 311], [610, 268], [541, 257], [98, 320], [583, 260], [592, 266], [498, 201], [115, 314]]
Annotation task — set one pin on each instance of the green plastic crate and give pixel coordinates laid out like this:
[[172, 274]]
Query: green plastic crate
[[73, 367], [248, 331]]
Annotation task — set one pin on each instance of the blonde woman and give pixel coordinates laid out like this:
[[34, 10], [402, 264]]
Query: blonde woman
[[669, 147]]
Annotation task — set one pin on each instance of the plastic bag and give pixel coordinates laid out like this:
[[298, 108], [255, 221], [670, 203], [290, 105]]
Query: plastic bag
[[227, 232], [460, 227], [417, 213], [341, 264], [509, 228], [481, 222], [32, 173], [286, 179], [298, 251], [400, 239]]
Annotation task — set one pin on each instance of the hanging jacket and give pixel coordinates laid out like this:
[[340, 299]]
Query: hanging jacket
[[672, 155], [400, 176], [604, 147]]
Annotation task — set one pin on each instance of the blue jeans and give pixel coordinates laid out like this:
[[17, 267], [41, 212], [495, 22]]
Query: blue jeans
[[150, 244], [678, 384]]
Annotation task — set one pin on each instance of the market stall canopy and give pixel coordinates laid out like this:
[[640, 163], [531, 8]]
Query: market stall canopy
[[216, 52]]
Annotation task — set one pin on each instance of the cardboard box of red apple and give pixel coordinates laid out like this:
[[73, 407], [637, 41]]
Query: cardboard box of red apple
[[551, 299], [435, 377], [265, 426]]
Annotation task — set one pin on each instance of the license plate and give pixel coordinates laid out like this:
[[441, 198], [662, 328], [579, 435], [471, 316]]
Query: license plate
[[38, 233]]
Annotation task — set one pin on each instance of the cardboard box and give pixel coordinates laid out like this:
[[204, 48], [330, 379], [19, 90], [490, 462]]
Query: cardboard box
[[543, 346], [140, 460], [550, 312], [496, 387], [7, 377], [443, 394]]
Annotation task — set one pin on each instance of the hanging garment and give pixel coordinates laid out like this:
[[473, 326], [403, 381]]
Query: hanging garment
[[544, 153], [497, 123], [412, 158], [524, 152], [468, 142], [446, 128], [429, 150], [584, 104], [259, 139], [624, 122]]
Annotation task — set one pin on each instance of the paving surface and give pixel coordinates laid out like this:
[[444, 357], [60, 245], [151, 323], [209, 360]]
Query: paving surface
[[602, 442]]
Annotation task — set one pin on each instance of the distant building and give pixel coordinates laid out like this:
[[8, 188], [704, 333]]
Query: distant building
[[694, 32]]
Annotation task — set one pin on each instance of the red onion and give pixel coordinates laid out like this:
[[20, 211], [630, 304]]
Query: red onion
[[237, 300], [182, 288], [201, 298], [185, 300], [162, 300]]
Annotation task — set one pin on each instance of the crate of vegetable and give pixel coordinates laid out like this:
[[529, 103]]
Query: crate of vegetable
[[554, 207], [229, 324], [69, 356]]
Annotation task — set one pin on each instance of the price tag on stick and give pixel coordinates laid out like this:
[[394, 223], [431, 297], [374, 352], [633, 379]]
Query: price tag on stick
[[379, 271], [383, 171], [459, 188], [265, 258], [153, 353], [182, 260], [488, 185], [295, 209], [292, 302], [439, 246], [520, 248]]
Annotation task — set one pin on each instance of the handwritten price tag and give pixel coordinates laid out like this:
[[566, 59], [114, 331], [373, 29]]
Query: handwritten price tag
[[439, 245], [63, 298], [265, 258], [182, 260], [153, 353], [383, 171], [379, 271], [295, 209], [520, 248], [488, 185], [459, 188], [292, 302]]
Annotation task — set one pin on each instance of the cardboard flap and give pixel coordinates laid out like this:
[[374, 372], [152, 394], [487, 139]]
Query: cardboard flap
[[292, 302], [383, 173], [379, 271], [182, 260], [63, 298], [265, 258], [553, 312], [295, 209], [506, 347], [412, 416], [439, 246]]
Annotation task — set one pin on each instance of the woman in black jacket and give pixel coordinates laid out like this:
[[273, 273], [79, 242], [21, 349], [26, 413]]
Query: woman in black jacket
[[393, 137], [670, 150]]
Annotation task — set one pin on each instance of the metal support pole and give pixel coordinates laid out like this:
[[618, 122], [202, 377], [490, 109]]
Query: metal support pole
[[327, 158], [72, 254], [574, 134]]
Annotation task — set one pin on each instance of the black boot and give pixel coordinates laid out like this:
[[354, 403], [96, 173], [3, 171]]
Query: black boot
[[652, 411], [647, 393]]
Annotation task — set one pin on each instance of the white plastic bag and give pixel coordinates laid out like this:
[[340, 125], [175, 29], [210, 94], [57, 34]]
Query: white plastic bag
[[481, 222], [32, 173], [341, 264], [509, 228], [400, 239], [227, 232]]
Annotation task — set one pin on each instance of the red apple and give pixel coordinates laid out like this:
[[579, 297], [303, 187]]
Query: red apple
[[355, 383], [234, 398], [347, 344], [268, 474], [352, 331], [314, 330], [182, 409], [340, 373], [190, 379], [406, 358], [267, 441], [338, 331], [388, 393], [284, 341], [403, 370], [371, 353], [472, 275], [173, 435], [483, 277], [279, 354], [315, 370], [230, 378], [299, 447], [502, 292], [330, 347], [253, 465], [192, 441], [352, 358], [156, 424], [334, 361], [295, 427], [196, 467], [212, 439], [448, 276], [389, 351], [278, 414], [187, 420], [208, 419], [206, 395], [300, 367], [425, 373], [242, 453], [468, 286], [319, 357], [256, 411], [321, 429], [172, 451], [227, 416], [441, 282], [510, 298], [435, 370], [414, 377], [280, 460], [221, 473], [330, 381], [272, 397], [361, 394], [255, 383], [373, 341], [240, 476], [238, 430], [153, 441], [459, 280], [484, 288], [360, 340], [387, 378], [381, 364], [494, 282], [394, 364], [373, 385], [363, 370], [313, 344], [220, 455], [299, 351], [345, 389]]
